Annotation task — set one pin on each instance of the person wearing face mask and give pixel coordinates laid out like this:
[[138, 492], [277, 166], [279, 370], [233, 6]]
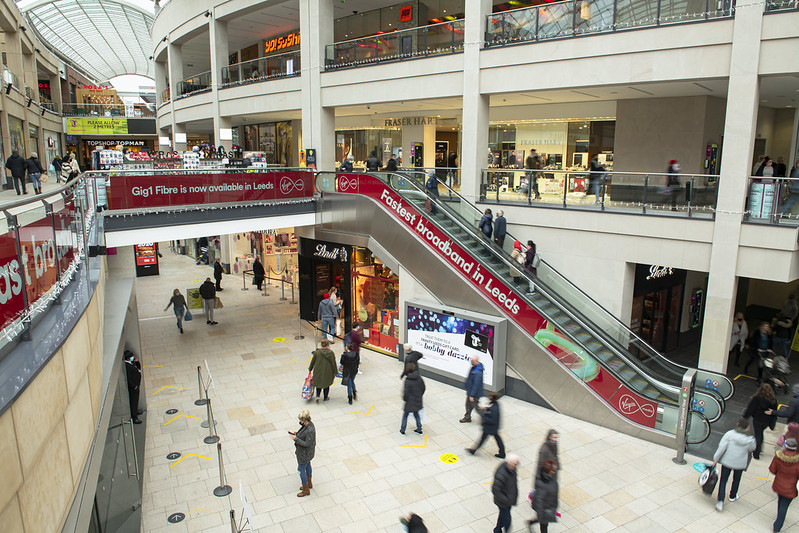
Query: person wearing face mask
[[305, 448], [549, 450], [133, 373]]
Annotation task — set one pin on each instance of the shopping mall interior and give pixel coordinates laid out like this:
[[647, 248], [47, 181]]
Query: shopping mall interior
[[581, 198]]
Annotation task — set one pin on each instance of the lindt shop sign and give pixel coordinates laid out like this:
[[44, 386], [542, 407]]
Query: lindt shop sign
[[131, 192]]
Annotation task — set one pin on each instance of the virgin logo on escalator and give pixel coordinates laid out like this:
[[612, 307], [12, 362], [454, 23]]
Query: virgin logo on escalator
[[628, 405], [347, 184], [287, 184]]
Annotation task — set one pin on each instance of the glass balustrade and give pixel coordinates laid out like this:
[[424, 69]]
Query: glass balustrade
[[194, 84], [109, 110], [558, 20], [262, 69], [424, 41]]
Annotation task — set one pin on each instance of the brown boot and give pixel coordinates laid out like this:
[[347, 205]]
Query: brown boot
[[303, 491], [310, 482]]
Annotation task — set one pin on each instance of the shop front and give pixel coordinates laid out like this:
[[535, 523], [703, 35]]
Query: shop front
[[368, 289], [275, 248], [89, 134], [657, 305], [269, 143]]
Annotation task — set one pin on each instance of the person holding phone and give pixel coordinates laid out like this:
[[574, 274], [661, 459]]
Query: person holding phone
[[304, 448]]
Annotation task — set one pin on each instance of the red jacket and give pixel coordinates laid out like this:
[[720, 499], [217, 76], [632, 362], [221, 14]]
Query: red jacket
[[785, 467]]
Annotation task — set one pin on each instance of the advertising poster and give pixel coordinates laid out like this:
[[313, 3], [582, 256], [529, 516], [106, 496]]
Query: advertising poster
[[97, 126], [193, 299], [448, 342], [284, 142], [145, 254]]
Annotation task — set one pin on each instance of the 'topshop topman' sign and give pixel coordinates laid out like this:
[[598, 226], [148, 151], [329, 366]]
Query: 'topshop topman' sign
[[130, 192], [624, 400]]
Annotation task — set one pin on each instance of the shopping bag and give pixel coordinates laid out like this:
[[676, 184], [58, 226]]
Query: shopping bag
[[338, 373], [307, 387], [218, 303], [421, 415], [531, 497], [187, 317], [708, 479]]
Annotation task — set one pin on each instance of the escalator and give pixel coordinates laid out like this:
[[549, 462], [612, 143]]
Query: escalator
[[611, 376]]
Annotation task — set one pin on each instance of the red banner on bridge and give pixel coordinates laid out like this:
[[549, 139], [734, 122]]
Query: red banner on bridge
[[12, 301], [133, 192]]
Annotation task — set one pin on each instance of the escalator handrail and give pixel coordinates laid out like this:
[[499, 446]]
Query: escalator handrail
[[665, 388], [639, 341]]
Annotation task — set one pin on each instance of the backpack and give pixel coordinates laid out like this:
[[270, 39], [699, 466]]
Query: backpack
[[536, 261]]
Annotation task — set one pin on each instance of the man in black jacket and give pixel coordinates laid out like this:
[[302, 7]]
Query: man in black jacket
[[218, 271], [500, 228], [411, 356], [506, 491], [17, 165], [373, 164], [208, 294], [133, 373]]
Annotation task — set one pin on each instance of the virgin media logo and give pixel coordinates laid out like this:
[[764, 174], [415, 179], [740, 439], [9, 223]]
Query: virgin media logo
[[287, 184], [347, 184], [628, 405]]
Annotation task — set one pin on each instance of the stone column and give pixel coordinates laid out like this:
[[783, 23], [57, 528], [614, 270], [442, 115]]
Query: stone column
[[739, 132], [219, 58], [474, 141], [161, 75], [318, 123]]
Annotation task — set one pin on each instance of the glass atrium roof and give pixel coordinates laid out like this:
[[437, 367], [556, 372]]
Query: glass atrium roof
[[105, 38]]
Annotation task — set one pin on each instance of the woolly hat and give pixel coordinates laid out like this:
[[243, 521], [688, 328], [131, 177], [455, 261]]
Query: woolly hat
[[517, 245], [790, 444], [673, 162], [327, 296]]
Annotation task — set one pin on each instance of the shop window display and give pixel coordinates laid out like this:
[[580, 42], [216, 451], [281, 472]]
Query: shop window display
[[376, 295]]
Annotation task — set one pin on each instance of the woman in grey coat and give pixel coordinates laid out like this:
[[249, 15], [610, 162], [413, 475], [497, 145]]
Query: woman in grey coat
[[304, 447], [412, 393], [733, 453]]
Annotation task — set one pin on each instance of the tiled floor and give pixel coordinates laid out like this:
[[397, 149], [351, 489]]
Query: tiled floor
[[365, 473]]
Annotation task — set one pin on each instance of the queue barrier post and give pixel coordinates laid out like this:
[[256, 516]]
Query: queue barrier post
[[202, 400], [212, 437], [223, 489], [244, 280]]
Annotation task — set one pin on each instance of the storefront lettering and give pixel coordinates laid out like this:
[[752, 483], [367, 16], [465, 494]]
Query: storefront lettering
[[334, 254], [10, 281], [544, 141], [657, 271], [120, 142], [410, 121]]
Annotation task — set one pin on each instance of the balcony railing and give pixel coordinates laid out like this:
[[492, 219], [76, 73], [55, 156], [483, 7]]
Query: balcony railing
[[774, 6], [262, 69], [773, 201], [585, 17], [692, 195], [424, 41], [198, 83], [109, 110]]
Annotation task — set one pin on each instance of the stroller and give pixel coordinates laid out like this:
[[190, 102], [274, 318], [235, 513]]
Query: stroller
[[777, 372]]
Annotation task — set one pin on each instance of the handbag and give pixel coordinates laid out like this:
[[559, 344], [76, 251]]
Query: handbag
[[307, 387], [708, 479], [218, 303], [187, 317]]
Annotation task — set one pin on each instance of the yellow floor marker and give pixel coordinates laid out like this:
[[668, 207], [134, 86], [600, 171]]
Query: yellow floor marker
[[167, 387], [414, 445], [153, 366], [189, 455], [178, 416], [306, 361], [744, 376], [449, 458], [199, 509], [279, 339], [366, 413]]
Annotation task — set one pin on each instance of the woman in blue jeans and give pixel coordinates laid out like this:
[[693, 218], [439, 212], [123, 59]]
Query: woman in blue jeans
[[785, 467], [305, 446], [412, 393], [179, 306]]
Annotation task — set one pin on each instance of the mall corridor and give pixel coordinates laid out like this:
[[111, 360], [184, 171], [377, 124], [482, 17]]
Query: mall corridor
[[366, 475]]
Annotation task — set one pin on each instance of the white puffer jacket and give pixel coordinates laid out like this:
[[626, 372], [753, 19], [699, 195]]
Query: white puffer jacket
[[734, 449]]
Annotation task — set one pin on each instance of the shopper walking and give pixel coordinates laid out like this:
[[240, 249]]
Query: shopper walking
[[532, 164], [473, 386], [486, 223], [545, 503], [500, 228], [258, 273], [72, 167], [531, 262], [412, 393], [431, 187], [56, 162], [327, 314], [35, 172], [304, 448], [17, 165], [791, 432], [411, 356], [491, 418], [218, 271], [549, 450], [763, 401], [133, 375], [766, 168], [791, 411], [760, 349], [506, 491], [391, 166], [452, 172], [350, 361], [673, 182], [733, 454], [354, 338], [323, 365], [373, 164], [597, 177], [208, 294], [740, 332], [785, 467], [179, 306]]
